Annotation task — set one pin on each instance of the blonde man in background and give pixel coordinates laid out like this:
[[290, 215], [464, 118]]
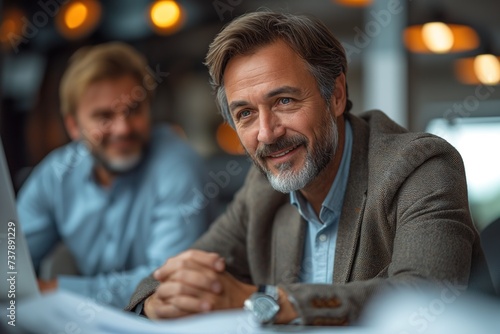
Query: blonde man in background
[[119, 196]]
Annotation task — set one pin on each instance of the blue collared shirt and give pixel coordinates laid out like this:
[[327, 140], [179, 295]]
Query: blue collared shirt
[[321, 233], [118, 235]]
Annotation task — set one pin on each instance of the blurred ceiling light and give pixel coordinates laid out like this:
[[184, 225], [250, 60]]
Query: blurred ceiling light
[[78, 18], [487, 69], [482, 69], [354, 3], [437, 36], [166, 16], [75, 15], [228, 140], [440, 37], [11, 27]]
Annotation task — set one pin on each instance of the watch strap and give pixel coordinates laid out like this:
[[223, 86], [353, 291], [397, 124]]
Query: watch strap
[[269, 290]]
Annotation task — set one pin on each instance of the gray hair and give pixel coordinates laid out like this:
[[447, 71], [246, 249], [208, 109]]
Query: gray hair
[[308, 37]]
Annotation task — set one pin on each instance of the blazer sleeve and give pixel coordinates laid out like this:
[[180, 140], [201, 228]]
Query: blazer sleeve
[[226, 236], [434, 240]]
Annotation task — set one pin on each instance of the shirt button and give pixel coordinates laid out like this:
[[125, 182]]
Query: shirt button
[[322, 238]]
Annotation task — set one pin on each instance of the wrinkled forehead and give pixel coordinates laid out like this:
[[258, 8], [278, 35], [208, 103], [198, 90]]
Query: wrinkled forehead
[[266, 68]]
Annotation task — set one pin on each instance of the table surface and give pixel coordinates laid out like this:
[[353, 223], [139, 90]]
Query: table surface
[[64, 312]]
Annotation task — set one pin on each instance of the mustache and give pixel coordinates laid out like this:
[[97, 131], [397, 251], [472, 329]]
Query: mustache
[[130, 137], [95, 137], [281, 144]]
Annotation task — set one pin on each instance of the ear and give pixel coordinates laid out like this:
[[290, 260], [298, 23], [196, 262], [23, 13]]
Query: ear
[[72, 127], [339, 98]]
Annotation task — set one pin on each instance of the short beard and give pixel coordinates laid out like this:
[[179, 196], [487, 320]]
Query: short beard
[[118, 166], [287, 180]]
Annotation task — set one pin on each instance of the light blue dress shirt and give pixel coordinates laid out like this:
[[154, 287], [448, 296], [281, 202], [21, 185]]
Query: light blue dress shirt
[[118, 235], [321, 233]]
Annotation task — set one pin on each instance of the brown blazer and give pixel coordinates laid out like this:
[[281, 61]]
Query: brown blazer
[[405, 220]]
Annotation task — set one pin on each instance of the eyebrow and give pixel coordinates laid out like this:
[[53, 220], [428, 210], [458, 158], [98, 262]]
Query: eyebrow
[[280, 90], [101, 111], [283, 90], [236, 104]]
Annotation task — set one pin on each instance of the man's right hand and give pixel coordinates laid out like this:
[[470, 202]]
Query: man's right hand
[[189, 284]]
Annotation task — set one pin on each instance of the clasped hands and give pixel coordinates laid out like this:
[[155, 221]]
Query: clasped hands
[[196, 282]]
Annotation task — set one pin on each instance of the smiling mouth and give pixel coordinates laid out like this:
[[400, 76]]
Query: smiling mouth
[[283, 153]]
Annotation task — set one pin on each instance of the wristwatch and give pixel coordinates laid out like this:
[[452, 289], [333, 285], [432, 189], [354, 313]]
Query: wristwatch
[[264, 304]]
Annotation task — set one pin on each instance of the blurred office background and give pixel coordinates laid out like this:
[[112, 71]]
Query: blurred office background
[[432, 65]]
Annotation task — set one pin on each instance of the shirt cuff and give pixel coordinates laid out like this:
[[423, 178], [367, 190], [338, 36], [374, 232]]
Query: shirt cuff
[[139, 309]]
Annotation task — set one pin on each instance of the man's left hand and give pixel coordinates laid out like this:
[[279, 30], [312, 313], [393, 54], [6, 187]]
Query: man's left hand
[[46, 286], [232, 294]]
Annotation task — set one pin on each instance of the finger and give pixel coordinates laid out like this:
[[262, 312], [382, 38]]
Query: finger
[[157, 309], [198, 278], [190, 304], [167, 290], [209, 260], [167, 311]]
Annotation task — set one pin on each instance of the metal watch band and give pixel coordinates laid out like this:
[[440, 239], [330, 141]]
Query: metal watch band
[[269, 290]]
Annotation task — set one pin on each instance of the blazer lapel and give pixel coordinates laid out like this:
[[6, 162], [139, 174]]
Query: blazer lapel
[[354, 202], [288, 244]]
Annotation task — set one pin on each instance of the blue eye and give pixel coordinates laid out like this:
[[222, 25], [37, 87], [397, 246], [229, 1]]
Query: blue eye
[[244, 113], [285, 100]]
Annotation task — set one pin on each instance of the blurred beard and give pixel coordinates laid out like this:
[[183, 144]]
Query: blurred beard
[[287, 180], [118, 165], [121, 164]]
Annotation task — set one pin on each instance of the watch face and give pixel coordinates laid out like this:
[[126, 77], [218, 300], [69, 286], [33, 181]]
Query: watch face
[[264, 308]]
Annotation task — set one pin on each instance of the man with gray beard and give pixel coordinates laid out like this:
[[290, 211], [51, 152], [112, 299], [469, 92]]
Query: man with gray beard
[[315, 160], [339, 206]]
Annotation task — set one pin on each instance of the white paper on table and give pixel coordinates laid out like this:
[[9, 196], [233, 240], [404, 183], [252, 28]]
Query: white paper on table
[[64, 312]]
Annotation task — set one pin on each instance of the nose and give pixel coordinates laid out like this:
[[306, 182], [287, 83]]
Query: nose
[[270, 127], [121, 124]]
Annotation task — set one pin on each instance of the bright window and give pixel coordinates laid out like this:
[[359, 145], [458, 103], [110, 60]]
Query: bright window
[[478, 141]]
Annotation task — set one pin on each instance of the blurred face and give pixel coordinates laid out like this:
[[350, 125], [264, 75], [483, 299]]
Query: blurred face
[[115, 128], [280, 116]]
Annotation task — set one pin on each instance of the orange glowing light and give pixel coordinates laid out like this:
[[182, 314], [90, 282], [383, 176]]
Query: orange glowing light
[[482, 69], [438, 37], [78, 18], [228, 140], [354, 3], [75, 15], [11, 27], [166, 16]]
